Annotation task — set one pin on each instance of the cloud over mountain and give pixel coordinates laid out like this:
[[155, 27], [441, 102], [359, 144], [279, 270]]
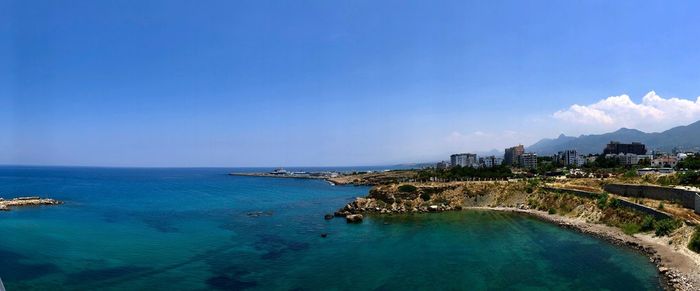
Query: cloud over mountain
[[653, 113]]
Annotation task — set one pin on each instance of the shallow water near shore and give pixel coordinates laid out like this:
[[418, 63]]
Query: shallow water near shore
[[197, 229]]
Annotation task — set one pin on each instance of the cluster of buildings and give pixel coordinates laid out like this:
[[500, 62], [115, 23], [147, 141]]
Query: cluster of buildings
[[472, 161], [514, 156], [626, 153]]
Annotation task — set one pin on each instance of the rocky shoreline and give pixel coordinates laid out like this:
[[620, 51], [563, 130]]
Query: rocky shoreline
[[673, 278], [5, 205], [679, 268]]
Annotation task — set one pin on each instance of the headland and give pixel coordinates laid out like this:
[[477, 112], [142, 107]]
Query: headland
[[663, 235]]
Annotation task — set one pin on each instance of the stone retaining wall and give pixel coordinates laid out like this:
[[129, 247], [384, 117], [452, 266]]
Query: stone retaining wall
[[688, 199], [644, 209], [631, 205]]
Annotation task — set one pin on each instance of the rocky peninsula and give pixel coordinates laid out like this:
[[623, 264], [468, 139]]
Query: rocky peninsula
[[5, 205], [566, 205]]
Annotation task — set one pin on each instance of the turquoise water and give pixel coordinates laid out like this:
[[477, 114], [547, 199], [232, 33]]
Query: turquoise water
[[189, 229]]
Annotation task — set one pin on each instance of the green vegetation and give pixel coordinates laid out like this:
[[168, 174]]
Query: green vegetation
[[631, 228], [648, 223], [614, 203], [630, 173], [603, 162], [689, 178], [667, 180], [425, 196], [661, 206], [644, 163], [602, 201], [666, 226], [631, 225], [407, 188], [694, 244], [457, 173], [691, 163], [552, 211], [532, 185]]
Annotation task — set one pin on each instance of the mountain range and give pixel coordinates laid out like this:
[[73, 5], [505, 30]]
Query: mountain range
[[685, 137]]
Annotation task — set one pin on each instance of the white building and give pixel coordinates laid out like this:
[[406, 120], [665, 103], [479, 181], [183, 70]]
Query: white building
[[629, 159], [441, 165], [464, 160], [570, 158], [667, 161], [491, 161], [528, 160]]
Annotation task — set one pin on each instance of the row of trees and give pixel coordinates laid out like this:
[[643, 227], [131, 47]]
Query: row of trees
[[455, 173]]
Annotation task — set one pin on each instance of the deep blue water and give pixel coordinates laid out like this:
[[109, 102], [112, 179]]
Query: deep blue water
[[190, 229]]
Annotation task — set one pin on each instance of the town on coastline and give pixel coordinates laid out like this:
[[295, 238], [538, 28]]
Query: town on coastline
[[614, 154], [646, 200]]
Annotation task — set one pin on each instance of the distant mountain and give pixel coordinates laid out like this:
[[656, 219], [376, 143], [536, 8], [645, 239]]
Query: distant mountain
[[686, 137]]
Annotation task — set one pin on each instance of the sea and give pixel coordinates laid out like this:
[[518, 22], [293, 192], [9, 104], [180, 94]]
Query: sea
[[202, 229]]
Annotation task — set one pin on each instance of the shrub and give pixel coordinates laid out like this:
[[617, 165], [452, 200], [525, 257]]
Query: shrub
[[661, 206], [631, 228], [603, 201], [407, 188], [694, 244], [689, 178], [614, 203], [647, 223], [552, 211], [630, 174], [666, 226], [425, 196]]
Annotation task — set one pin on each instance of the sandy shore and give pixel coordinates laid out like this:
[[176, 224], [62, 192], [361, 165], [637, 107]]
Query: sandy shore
[[679, 267]]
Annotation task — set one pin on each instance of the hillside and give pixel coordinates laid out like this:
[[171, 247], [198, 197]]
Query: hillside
[[687, 137]]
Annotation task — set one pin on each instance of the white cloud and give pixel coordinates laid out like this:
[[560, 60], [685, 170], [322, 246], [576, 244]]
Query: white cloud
[[653, 113]]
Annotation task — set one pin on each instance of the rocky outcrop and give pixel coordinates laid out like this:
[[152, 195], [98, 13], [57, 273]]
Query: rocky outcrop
[[5, 205], [354, 218], [435, 197]]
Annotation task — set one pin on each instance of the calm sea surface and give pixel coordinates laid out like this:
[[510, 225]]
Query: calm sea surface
[[191, 229]]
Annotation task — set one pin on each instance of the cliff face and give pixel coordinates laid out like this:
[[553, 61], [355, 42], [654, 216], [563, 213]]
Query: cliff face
[[434, 197]]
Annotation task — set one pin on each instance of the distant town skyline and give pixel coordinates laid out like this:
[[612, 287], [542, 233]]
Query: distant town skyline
[[330, 83]]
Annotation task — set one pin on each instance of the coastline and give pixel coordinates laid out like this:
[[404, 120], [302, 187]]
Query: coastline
[[678, 269]]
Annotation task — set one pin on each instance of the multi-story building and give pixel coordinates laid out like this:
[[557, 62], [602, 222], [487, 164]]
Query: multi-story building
[[665, 162], [629, 159], [441, 165], [615, 147], [528, 160], [512, 155], [490, 161], [464, 160], [569, 158]]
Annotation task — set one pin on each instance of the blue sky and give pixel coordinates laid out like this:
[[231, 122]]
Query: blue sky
[[322, 83]]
